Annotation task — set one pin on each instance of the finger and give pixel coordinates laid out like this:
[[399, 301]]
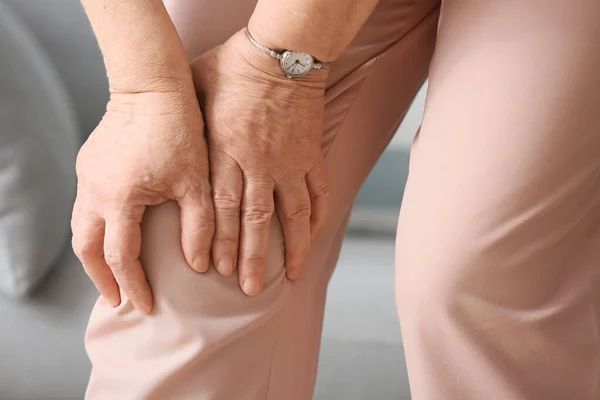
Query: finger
[[294, 211], [88, 245], [318, 188], [227, 183], [257, 210], [122, 242], [197, 224]]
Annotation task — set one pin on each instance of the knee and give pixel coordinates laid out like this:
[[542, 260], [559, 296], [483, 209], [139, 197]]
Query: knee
[[200, 326], [437, 278], [175, 284], [192, 305]]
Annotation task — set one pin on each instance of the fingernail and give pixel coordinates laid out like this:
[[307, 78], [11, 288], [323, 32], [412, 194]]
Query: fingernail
[[199, 264], [142, 308], [225, 266], [252, 286], [114, 303]]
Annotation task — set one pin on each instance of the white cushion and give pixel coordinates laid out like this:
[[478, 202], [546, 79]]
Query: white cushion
[[38, 141]]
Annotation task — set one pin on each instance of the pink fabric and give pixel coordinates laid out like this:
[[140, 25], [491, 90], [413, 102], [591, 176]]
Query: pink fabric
[[498, 243], [498, 246]]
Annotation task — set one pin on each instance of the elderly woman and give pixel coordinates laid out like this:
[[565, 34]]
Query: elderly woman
[[249, 161]]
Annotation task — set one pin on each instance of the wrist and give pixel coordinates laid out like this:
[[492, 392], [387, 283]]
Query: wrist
[[140, 78], [153, 103], [263, 64]]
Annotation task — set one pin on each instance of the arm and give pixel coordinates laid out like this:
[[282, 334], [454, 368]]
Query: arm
[[149, 148], [264, 131], [142, 51], [322, 28]]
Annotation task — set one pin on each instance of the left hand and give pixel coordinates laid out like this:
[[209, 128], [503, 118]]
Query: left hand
[[264, 133]]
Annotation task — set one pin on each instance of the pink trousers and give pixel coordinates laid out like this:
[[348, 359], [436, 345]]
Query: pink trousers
[[498, 249]]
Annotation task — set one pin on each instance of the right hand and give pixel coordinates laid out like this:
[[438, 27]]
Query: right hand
[[149, 148], [264, 133]]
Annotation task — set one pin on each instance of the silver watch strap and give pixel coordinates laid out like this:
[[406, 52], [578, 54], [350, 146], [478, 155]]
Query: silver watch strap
[[274, 54], [264, 49]]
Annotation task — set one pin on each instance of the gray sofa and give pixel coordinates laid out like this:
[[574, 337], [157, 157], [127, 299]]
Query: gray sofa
[[42, 354]]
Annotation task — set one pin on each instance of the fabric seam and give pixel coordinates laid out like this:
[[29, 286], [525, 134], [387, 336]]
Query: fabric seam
[[343, 122], [375, 61], [272, 359]]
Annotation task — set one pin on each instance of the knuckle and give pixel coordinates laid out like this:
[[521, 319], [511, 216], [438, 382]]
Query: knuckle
[[299, 216], [83, 249], [226, 200], [201, 252], [321, 190], [117, 260], [225, 241], [201, 224], [146, 179], [255, 261], [198, 189], [205, 224], [259, 179], [258, 215]]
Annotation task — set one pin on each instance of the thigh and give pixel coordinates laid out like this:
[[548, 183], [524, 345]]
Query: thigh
[[207, 340], [498, 239]]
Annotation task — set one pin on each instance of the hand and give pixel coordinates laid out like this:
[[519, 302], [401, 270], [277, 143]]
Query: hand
[[149, 148], [264, 134]]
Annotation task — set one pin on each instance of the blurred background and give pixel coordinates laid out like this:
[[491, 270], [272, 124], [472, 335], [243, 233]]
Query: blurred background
[[52, 94]]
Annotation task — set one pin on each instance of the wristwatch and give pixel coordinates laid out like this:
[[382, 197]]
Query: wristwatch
[[294, 64]]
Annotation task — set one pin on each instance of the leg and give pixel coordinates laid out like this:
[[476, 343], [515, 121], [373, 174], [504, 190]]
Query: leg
[[498, 238], [205, 339]]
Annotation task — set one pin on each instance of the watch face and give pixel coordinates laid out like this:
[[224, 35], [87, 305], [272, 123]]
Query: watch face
[[294, 63]]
